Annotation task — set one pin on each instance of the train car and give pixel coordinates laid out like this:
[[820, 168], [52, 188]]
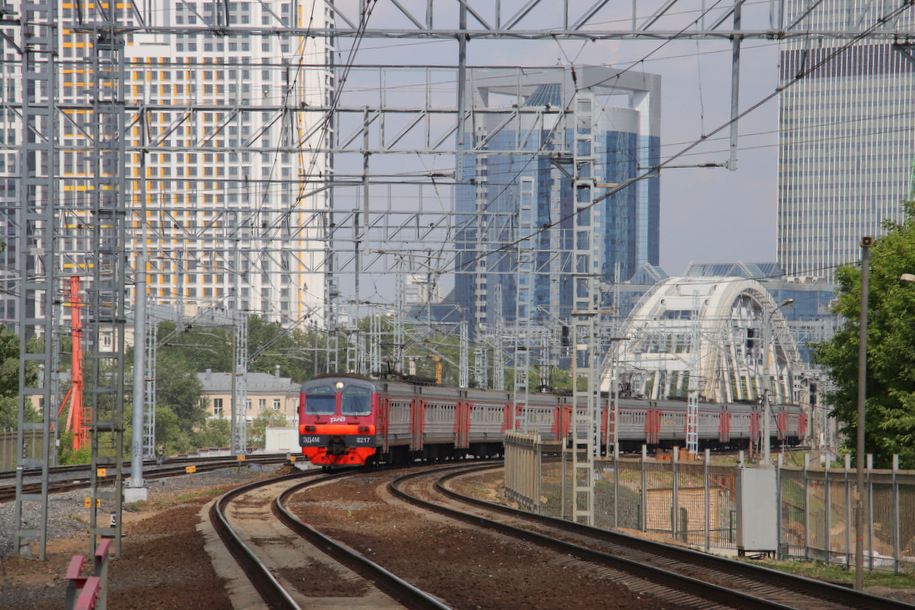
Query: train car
[[351, 420]]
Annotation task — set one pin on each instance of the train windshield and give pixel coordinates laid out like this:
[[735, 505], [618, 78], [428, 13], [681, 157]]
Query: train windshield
[[356, 401], [321, 400]]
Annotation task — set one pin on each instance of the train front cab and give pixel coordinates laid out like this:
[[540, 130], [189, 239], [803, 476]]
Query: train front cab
[[337, 421]]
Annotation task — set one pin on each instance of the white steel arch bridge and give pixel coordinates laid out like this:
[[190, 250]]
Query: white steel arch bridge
[[721, 331]]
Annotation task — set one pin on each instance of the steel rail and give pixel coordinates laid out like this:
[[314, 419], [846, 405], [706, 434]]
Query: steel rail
[[270, 590], [758, 574], [389, 583], [8, 491], [658, 576]]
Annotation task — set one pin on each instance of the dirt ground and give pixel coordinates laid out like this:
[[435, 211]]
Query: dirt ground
[[164, 563], [464, 566]]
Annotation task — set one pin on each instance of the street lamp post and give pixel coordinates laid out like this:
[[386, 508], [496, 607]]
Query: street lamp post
[[866, 243], [767, 405]]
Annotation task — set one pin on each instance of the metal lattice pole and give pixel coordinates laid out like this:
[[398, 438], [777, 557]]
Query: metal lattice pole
[[36, 262], [240, 375], [107, 293], [585, 299], [524, 300], [397, 357], [692, 405], [498, 353], [479, 367], [149, 423], [464, 380]]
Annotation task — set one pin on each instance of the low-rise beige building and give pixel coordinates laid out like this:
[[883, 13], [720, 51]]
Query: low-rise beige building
[[264, 392]]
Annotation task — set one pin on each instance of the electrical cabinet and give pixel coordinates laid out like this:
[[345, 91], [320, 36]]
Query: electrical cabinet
[[757, 511]]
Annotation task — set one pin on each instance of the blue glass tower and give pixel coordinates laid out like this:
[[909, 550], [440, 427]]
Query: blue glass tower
[[519, 139]]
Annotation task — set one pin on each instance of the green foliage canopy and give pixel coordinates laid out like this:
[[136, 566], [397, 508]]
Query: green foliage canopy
[[9, 382], [257, 432], [890, 381], [179, 389]]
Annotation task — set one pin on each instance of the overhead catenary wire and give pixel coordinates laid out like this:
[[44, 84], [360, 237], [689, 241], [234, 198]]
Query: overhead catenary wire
[[439, 181], [802, 73]]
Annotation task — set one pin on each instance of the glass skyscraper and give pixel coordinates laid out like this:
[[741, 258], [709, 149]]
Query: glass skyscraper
[[521, 133], [846, 138]]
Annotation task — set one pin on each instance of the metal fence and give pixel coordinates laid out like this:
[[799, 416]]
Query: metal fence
[[696, 502], [818, 515], [34, 444]]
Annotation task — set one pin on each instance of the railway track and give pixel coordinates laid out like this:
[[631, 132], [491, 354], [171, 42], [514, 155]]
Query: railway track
[[465, 565], [655, 574], [285, 569], [67, 478], [710, 577]]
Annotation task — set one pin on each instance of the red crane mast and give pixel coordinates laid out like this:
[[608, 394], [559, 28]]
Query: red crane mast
[[77, 417]]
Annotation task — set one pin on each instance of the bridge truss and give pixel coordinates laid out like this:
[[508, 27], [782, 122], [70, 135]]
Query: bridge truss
[[724, 336]]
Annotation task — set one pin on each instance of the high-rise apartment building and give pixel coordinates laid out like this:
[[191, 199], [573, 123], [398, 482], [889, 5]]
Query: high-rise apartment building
[[846, 137], [523, 158], [219, 177]]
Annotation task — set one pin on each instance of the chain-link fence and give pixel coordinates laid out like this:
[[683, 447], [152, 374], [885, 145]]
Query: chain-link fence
[[818, 515], [696, 502]]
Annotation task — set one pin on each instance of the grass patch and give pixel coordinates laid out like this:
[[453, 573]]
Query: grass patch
[[841, 574], [188, 496]]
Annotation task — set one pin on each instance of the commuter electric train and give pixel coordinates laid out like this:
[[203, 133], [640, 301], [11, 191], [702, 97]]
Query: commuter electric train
[[347, 420]]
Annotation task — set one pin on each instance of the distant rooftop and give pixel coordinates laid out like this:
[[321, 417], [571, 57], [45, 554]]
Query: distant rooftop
[[546, 95], [648, 274], [255, 382], [753, 271]]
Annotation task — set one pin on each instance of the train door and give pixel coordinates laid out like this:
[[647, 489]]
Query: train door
[[384, 412], [781, 425], [417, 423], [462, 424], [556, 425], [724, 427], [755, 429], [652, 424]]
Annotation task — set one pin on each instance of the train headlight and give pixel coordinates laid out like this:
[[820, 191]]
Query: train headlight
[[310, 429], [339, 386]]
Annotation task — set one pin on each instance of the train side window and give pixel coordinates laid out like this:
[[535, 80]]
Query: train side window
[[400, 412], [321, 400], [356, 401]]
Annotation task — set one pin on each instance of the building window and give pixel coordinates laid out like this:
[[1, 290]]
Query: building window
[[217, 407], [276, 404], [261, 403]]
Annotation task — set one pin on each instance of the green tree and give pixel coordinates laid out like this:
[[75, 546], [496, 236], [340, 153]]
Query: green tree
[[9, 382], [178, 389], [202, 347], [66, 455], [257, 430], [214, 433], [890, 382], [169, 433]]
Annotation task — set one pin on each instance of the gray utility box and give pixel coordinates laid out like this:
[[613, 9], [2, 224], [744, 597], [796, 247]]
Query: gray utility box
[[757, 511]]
